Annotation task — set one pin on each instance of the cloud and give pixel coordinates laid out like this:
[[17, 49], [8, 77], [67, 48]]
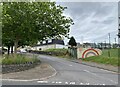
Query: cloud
[[93, 20]]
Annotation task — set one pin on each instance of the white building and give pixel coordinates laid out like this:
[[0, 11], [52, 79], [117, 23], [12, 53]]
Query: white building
[[52, 44]]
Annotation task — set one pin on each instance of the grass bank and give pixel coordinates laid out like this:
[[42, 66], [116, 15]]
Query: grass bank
[[105, 59], [20, 59]]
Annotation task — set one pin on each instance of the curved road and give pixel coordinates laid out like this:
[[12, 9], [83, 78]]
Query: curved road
[[72, 73]]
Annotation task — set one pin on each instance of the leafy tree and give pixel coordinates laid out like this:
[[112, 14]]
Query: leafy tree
[[25, 23], [72, 42]]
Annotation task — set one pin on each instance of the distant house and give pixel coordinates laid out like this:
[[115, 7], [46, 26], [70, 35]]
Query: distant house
[[50, 44]]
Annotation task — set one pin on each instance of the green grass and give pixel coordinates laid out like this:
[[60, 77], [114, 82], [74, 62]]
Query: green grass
[[20, 59], [113, 53], [57, 52], [0, 59], [105, 59]]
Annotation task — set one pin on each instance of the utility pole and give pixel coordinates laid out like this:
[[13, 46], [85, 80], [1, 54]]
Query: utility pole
[[114, 45], [109, 45], [105, 44], [109, 40], [115, 40], [82, 40], [101, 45]]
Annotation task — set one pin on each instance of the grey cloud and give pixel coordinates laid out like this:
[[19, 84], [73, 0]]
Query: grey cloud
[[106, 21], [93, 20]]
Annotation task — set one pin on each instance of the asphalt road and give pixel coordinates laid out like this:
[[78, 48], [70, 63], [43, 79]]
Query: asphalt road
[[70, 73]]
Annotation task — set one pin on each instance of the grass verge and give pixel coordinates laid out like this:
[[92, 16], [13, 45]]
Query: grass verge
[[20, 59], [105, 59]]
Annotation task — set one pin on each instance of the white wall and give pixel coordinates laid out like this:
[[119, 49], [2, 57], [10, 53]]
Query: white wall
[[61, 46], [51, 46]]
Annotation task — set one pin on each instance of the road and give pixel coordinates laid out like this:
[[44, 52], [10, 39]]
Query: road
[[70, 73]]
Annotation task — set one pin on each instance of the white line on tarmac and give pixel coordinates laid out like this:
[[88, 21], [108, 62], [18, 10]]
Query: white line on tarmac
[[58, 82], [19, 80], [70, 65], [42, 81], [81, 83]]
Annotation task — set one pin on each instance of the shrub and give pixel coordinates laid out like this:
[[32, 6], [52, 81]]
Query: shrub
[[20, 59]]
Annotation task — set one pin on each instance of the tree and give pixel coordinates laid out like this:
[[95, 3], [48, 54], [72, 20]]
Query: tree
[[29, 22], [72, 42]]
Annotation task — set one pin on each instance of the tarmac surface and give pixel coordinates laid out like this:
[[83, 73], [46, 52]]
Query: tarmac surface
[[63, 72]]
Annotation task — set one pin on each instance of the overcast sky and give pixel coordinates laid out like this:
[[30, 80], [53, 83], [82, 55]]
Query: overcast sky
[[93, 20]]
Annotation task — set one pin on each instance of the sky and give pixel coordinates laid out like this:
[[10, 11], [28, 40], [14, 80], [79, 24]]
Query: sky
[[93, 20]]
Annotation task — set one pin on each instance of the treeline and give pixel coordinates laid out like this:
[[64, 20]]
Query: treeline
[[26, 23]]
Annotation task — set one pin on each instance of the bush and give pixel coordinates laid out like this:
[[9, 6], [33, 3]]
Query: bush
[[20, 59], [57, 52]]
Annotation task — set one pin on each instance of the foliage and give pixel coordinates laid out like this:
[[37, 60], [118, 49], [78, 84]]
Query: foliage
[[20, 59], [113, 53], [25, 23], [72, 42], [57, 52]]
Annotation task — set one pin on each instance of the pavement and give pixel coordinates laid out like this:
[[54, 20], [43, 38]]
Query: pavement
[[65, 73], [40, 72]]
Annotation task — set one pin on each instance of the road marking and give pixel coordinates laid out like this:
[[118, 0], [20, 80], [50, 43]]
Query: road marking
[[72, 83], [100, 76], [81, 83], [58, 82], [53, 82], [42, 81], [66, 82], [19, 80], [70, 65], [87, 83], [103, 84]]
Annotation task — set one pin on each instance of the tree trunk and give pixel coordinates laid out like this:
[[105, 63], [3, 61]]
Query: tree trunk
[[12, 49], [8, 49], [15, 49]]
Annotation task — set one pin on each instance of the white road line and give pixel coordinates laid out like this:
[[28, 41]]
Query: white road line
[[87, 83], [19, 80], [81, 83], [53, 82], [70, 65], [100, 76], [66, 83], [58, 82], [42, 81], [72, 83]]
